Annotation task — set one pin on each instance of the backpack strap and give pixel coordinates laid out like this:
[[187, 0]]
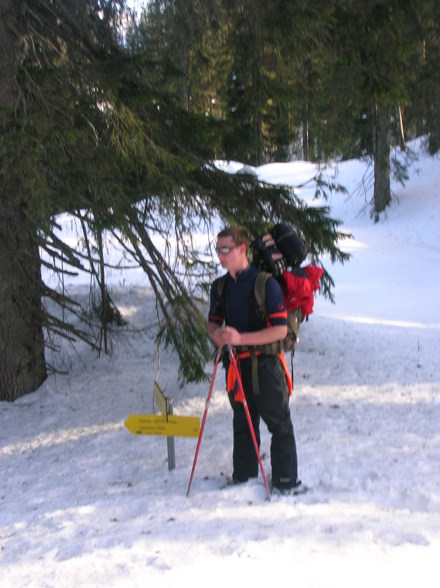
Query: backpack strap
[[260, 291], [221, 285], [260, 296], [221, 295]]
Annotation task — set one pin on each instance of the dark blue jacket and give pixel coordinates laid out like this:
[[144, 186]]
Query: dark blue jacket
[[238, 307]]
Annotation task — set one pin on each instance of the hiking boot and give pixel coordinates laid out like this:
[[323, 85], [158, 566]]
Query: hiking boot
[[238, 481], [295, 490]]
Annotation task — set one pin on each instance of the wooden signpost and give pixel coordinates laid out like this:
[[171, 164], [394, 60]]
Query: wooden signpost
[[164, 424]]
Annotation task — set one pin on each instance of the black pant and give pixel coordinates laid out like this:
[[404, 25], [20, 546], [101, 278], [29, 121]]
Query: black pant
[[271, 403]]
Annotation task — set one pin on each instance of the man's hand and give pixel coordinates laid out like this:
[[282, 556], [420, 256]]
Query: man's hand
[[226, 336]]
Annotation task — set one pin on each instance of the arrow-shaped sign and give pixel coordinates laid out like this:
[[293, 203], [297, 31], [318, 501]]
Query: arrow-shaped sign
[[173, 426]]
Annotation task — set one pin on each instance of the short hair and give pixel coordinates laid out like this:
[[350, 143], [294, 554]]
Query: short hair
[[238, 234]]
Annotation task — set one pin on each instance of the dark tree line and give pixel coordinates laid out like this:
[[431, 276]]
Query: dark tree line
[[311, 80]]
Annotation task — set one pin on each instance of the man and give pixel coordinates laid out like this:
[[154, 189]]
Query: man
[[234, 321]]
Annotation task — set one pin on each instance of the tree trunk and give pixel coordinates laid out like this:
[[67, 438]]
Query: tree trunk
[[382, 189], [10, 29], [22, 359], [255, 10], [305, 133]]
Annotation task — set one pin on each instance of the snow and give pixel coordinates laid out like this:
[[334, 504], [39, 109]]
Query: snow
[[85, 503]]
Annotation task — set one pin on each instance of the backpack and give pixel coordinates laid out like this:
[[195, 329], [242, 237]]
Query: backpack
[[294, 316], [298, 284], [280, 253], [278, 250]]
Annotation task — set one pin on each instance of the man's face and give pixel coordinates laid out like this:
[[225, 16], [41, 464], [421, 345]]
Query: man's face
[[231, 255]]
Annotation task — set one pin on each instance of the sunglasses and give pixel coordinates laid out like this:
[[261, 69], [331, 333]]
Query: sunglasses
[[225, 250]]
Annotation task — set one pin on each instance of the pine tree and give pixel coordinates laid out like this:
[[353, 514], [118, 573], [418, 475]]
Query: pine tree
[[422, 111], [45, 104], [376, 49]]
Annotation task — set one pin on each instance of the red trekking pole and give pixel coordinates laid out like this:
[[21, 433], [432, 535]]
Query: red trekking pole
[[217, 359], [248, 416]]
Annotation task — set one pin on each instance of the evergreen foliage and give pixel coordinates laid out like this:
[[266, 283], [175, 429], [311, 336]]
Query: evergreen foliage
[[87, 129]]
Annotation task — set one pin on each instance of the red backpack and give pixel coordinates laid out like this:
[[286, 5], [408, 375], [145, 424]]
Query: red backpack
[[280, 253], [299, 287]]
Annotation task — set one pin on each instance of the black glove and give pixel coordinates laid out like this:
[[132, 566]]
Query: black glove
[[267, 257]]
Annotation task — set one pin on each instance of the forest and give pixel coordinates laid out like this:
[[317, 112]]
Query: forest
[[117, 118]]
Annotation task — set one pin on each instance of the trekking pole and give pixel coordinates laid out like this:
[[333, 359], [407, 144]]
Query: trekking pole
[[248, 416], [217, 359]]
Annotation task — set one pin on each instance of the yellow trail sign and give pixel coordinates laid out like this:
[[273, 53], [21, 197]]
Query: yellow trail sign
[[174, 426]]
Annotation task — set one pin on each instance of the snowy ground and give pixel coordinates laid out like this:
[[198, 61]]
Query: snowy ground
[[85, 503]]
